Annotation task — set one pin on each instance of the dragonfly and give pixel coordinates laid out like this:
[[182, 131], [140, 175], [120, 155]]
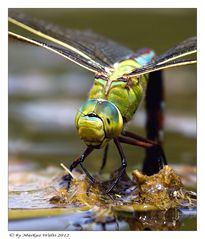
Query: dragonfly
[[122, 79]]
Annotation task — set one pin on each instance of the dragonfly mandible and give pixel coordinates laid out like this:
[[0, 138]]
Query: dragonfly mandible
[[121, 79]]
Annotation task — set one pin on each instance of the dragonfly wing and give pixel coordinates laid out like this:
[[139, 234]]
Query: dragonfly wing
[[66, 53], [185, 48], [170, 59], [86, 43], [104, 49], [154, 67]]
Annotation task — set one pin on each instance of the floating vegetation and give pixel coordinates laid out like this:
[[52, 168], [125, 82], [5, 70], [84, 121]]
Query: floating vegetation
[[160, 191], [138, 203], [164, 190]]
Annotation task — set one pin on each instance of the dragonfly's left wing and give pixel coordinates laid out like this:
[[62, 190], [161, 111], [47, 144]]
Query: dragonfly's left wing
[[185, 48], [170, 58], [89, 45]]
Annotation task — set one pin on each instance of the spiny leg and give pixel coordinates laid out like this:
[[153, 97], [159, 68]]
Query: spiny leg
[[78, 161], [123, 164], [104, 160], [146, 143], [160, 158], [154, 119], [133, 139]]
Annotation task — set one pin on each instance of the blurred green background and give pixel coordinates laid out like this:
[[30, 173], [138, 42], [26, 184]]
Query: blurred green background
[[45, 91]]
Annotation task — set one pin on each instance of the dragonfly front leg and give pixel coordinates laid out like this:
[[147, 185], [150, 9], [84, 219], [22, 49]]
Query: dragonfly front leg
[[123, 164], [159, 159], [104, 160], [78, 161]]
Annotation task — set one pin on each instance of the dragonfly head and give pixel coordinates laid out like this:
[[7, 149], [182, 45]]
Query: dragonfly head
[[98, 121]]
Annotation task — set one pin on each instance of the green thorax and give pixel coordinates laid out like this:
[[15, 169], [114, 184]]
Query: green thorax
[[125, 95]]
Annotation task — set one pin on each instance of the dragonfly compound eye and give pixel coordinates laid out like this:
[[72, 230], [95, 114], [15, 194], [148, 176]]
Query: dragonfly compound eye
[[98, 121]]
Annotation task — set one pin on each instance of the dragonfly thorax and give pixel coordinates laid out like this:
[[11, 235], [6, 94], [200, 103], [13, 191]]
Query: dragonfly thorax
[[98, 121], [122, 68], [124, 92]]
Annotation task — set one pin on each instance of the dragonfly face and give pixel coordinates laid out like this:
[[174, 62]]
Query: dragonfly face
[[97, 122]]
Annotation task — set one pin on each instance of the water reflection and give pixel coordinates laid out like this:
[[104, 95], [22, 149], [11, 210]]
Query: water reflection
[[164, 221]]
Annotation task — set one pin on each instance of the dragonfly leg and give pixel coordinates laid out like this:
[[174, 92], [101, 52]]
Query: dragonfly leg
[[78, 161], [123, 164], [158, 158], [104, 160]]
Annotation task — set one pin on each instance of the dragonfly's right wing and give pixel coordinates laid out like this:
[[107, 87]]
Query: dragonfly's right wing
[[66, 53], [87, 44]]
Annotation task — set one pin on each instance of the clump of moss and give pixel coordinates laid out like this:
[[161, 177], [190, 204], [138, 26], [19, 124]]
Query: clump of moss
[[80, 192], [164, 190], [160, 191]]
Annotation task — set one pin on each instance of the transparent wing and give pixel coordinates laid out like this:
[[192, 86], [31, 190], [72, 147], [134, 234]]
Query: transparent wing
[[66, 53], [154, 67], [170, 58], [185, 48], [85, 43]]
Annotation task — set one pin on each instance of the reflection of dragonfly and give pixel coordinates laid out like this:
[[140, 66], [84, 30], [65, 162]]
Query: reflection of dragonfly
[[121, 80]]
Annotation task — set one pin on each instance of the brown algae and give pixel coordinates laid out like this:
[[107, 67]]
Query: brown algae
[[160, 191]]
